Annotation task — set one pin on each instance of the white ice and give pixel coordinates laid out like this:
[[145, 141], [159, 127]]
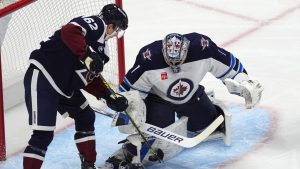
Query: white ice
[[264, 35]]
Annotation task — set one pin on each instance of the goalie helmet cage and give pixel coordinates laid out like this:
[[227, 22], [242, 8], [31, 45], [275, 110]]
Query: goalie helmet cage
[[33, 23]]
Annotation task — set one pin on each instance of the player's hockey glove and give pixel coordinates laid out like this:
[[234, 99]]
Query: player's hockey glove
[[118, 103], [94, 62]]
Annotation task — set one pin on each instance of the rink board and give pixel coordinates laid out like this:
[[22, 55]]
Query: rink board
[[251, 130]]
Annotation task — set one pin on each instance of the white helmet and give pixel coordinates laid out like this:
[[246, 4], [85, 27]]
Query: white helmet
[[174, 49]]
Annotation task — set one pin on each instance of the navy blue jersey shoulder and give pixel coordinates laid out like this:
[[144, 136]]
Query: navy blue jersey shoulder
[[93, 25], [93, 29], [196, 50], [150, 57], [55, 52], [202, 47]]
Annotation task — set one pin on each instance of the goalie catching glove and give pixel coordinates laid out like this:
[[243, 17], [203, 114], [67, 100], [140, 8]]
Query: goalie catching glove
[[137, 111], [251, 90], [94, 62]]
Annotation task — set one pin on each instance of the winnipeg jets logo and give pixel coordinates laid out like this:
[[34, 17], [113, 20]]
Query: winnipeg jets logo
[[204, 43], [147, 54], [180, 89]]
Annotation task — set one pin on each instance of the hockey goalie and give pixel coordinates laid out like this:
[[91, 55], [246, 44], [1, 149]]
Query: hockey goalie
[[167, 74]]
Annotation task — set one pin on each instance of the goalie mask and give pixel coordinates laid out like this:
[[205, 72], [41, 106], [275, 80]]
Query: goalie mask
[[112, 14], [174, 49]]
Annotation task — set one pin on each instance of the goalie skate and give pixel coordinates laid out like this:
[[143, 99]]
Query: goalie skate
[[114, 163]]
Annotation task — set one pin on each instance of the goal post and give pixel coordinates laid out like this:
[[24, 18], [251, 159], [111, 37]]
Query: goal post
[[33, 21], [12, 6]]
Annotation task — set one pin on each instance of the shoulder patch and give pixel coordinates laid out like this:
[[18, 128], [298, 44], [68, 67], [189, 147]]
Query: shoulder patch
[[204, 43], [147, 54]]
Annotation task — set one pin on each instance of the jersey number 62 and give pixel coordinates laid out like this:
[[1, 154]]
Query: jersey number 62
[[91, 23]]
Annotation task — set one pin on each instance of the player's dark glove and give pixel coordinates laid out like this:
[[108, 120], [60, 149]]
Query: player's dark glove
[[93, 62], [118, 104]]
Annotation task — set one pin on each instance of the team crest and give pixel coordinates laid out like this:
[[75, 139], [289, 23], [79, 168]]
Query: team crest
[[180, 89], [147, 54], [89, 77], [204, 43], [86, 76]]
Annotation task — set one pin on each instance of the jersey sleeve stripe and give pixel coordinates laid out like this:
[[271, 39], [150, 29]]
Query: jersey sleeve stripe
[[241, 68], [127, 85], [232, 64], [122, 89]]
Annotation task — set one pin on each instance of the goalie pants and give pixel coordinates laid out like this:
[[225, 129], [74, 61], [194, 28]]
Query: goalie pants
[[43, 102], [199, 109]]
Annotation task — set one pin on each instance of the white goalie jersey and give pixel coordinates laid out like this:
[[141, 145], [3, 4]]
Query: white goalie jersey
[[151, 74]]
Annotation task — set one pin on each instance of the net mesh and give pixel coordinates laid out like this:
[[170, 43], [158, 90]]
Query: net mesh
[[4, 3], [36, 22]]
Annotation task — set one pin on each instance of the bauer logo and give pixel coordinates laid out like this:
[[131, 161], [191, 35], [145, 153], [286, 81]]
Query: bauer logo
[[165, 134]]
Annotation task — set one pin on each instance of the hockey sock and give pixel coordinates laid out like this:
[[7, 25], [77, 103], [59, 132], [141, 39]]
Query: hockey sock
[[31, 163], [86, 145]]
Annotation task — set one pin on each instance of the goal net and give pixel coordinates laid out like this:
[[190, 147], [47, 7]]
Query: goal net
[[31, 24]]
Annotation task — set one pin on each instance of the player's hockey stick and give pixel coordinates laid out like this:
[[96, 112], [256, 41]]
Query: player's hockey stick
[[112, 92], [173, 137]]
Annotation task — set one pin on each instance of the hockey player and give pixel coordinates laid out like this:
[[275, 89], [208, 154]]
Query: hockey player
[[69, 61], [167, 74]]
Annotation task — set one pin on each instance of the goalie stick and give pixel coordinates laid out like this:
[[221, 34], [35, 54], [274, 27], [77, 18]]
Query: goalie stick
[[173, 137]]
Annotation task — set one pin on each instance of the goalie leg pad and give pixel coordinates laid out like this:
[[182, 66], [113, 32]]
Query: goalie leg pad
[[225, 128], [135, 151], [136, 109]]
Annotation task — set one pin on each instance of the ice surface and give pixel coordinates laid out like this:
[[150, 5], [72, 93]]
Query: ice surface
[[252, 128], [264, 35]]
